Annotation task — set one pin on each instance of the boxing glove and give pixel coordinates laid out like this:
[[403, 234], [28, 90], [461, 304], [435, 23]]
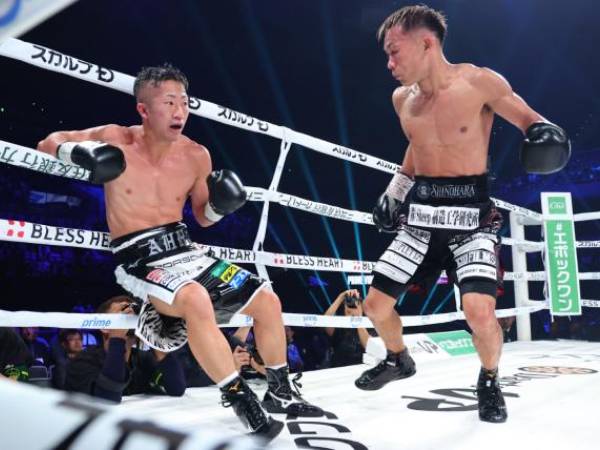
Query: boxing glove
[[226, 193], [104, 161], [388, 210], [546, 149]]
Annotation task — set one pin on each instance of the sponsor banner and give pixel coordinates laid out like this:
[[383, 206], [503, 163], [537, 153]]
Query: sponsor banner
[[359, 280], [20, 231], [423, 348], [322, 209], [590, 303], [454, 343], [340, 152], [49, 59], [541, 276], [588, 244], [314, 262], [17, 155], [420, 346], [560, 256], [66, 320], [121, 321], [526, 246], [237, 119], [33, 233], [536, 216], [19, 16], [531, 276]]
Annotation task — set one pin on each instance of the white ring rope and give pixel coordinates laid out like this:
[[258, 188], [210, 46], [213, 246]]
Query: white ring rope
[[20, 231], [123, 321], [34, 233]]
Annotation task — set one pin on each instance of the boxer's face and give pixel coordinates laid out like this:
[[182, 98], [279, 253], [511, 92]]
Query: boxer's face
[[164, 109], [406, 55]]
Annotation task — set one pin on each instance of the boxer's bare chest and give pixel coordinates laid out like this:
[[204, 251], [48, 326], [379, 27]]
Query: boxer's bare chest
[[452, 117]]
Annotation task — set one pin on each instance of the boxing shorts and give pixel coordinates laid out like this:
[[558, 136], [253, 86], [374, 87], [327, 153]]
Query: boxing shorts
[[157, 262], [449, 224]]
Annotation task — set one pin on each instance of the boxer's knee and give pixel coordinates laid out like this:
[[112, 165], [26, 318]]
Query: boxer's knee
[[193, 299], [480, 311], [265, 305], [378, 306]]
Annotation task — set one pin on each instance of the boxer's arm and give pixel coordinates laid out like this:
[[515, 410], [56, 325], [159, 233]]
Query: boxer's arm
[[199, 192], [546, 148], [500, 98], [111, 134], [398, 98]]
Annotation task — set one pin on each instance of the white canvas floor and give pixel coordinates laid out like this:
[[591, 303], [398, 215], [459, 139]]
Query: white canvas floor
[[552, 390]]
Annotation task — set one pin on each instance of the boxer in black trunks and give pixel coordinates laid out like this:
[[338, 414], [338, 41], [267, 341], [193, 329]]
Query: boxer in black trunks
[[438, 201], [148, 172]]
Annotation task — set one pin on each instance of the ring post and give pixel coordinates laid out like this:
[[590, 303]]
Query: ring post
[[519, 258]]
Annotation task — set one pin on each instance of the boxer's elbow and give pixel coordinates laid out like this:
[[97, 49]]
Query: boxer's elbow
[[47, 145], [200, 217], [51, 142]]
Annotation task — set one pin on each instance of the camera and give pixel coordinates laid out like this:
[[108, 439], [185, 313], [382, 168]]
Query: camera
[[350, 301], [253, 352]]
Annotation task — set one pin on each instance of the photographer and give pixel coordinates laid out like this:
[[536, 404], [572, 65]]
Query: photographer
[[348, 344], [117, 368]]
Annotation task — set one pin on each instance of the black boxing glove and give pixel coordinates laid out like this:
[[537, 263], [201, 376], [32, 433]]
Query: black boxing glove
[[104, 161], [387, 213], [226, 193], [546, 149]]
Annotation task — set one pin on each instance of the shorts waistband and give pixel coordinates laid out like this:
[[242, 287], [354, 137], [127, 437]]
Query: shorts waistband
[[451, 190], [150, 242]]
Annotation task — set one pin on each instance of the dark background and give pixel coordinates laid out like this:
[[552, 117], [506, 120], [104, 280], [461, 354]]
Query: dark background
[[313, 66]]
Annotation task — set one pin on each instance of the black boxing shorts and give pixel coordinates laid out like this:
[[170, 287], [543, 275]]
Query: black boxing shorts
[[449, 224], [158, 262]]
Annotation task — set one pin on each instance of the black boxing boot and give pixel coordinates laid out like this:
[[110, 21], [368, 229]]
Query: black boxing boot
[[246, 405], [395, 367], [492, 407], [281, 398]]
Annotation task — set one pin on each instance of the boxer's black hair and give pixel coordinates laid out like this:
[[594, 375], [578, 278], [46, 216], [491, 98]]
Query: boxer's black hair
[[156, 75], [413, 17], [105, 306]]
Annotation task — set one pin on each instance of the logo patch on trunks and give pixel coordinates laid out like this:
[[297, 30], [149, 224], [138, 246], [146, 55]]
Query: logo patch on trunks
[[239, 279], [219, 269], [229, 273], [448, 217], [164, 278]]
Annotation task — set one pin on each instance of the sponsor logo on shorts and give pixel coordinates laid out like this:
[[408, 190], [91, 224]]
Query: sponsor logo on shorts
[[219, 269], [167, 241], [448, 217], [447, 191], [239, 279], [228, 274], [164, 278]]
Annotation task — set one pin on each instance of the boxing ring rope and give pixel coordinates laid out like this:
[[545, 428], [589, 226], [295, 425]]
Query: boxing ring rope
[[20, 231]]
